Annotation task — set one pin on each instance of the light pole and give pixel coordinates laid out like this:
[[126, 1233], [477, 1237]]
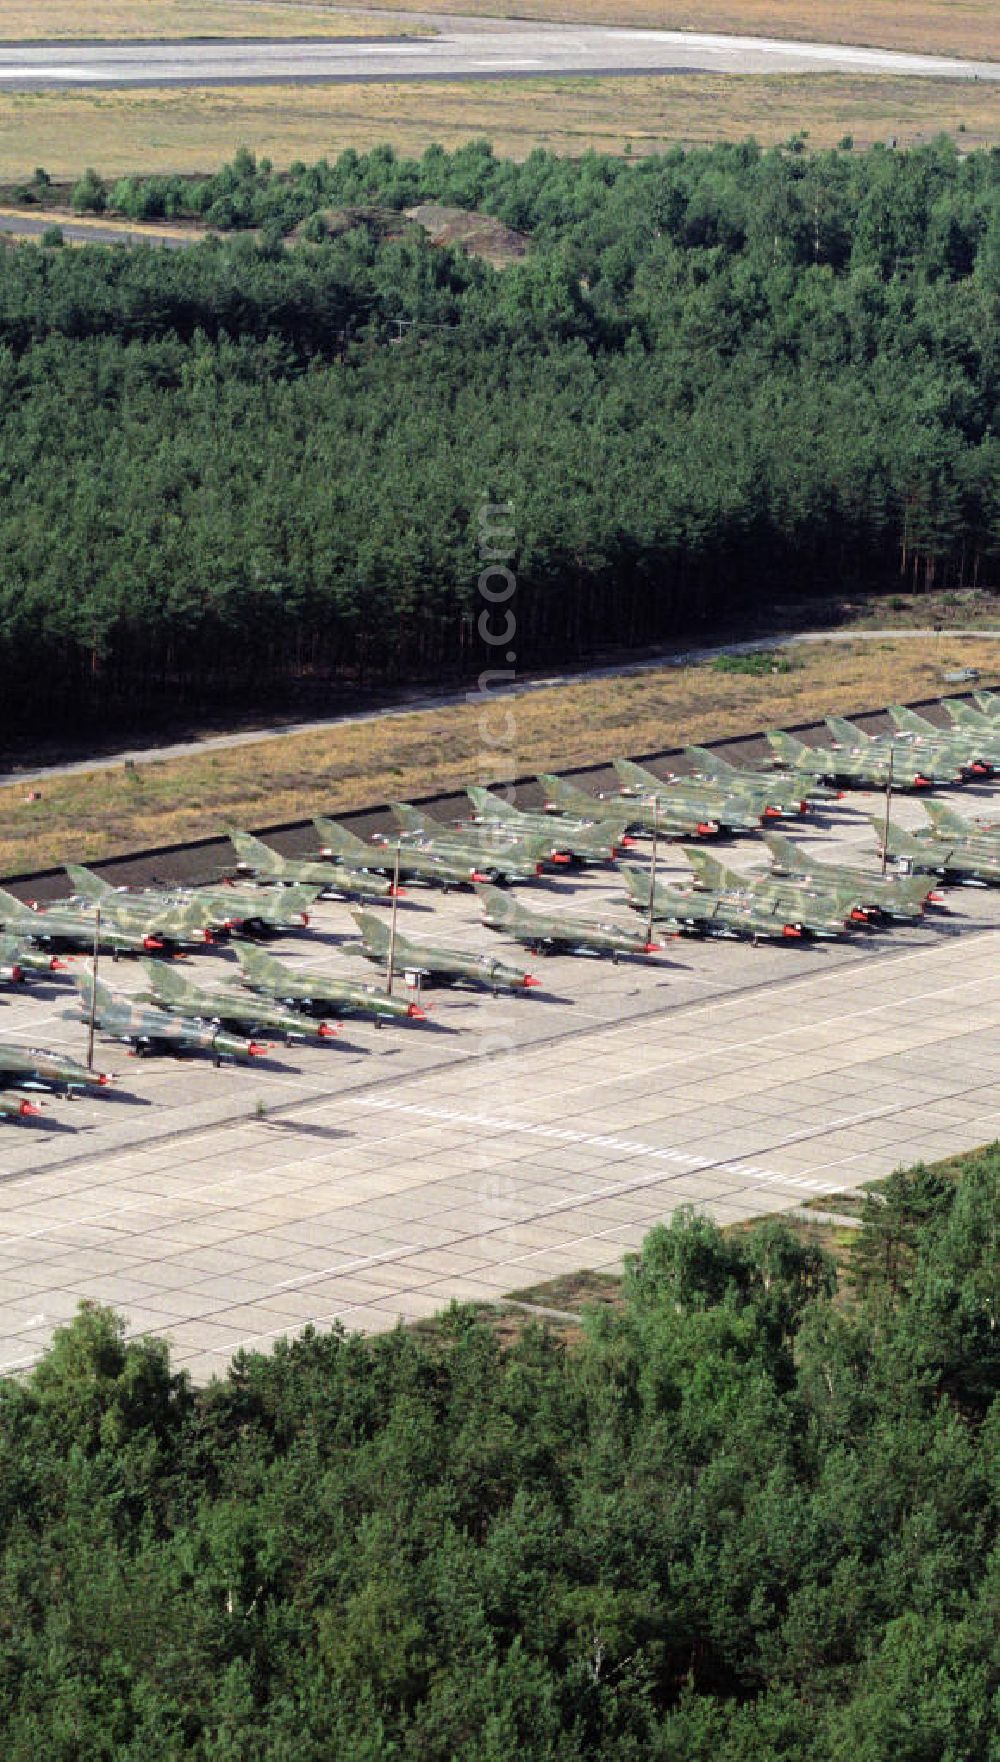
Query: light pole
[[888, 805], [93, 988], [392, 924]]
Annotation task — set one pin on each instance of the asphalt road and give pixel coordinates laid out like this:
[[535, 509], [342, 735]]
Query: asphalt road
[[462, 48]]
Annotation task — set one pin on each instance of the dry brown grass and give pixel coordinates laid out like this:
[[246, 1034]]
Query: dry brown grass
[[23, 20], [104, 813], [192, 131], [945, 27]]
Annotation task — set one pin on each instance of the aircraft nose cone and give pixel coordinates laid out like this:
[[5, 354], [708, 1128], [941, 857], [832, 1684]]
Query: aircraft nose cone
[[415, 1013], [529, 981], [327, 1030]]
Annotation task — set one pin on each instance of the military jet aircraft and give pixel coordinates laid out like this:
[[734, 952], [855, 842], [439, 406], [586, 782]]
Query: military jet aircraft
[[729, 810], [781, 797], [226, 907], [954, 828], [498, 860], [863, 768], [687, 913], [568, 840], [924, 853], [63, 926], [18, 957], [971, 754], [415, 863], [256, 858], [148, 1029], [436, 965], [170, 990], [891, 896], [673, 819], [307, 990], [910, 770], [810, 910], [552, 933], [32, 1067]]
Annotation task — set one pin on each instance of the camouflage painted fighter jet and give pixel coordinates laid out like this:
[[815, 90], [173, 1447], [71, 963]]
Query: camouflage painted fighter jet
[[496, 860], [170, 990], [317, 991], [149, 1030], [436, 965], [255, 858], [812, 911], [781, 797], [32, 1067], [957, 829], [63, 926], [226, 907], [18, 957], [860, 768], [923, 853], [910, 769], [673, 819], [727, 809], [892, 896], [966, 718], [971, 754], [567, 840], [684, 912], [556, 933], [415, 863]]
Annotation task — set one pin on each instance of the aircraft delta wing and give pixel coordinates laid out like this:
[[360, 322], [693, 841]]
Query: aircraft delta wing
[[724, 808], [687, 913], [565, 839], [892, 896], [63, 926], [674, 820], [308, 990], [780, 796], [910, 769], [148, 1029], [811, 910], [266, 865], [415, 862], [957, 829], [171, 991], [972, 755], [548, 933], [438, 965], [32, 1067], [496, 858], [923, 853]]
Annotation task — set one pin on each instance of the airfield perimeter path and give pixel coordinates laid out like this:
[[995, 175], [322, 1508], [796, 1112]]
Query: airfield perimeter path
[[460, 49], [151, 755], [506, 1141]]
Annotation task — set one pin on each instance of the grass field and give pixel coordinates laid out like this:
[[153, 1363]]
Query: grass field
[[104, 813], [22, 20], [194, 131]]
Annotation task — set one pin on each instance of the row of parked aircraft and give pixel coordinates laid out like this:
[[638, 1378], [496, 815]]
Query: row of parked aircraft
[[499, 847]]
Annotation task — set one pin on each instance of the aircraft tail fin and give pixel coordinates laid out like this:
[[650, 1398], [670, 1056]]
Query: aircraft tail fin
[[709, 763], [84, 983], [164, 978], [845, 731], [13, 908], [785, 854], [909, 722], [409, 818], [989, 702], [498, 903], [636, 880], [785, 745], [946, 819], [490, 805], [374, 931], [709, 873], [85, 882], [251, 850], [637, 777], [900, 842], [339, 840]]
